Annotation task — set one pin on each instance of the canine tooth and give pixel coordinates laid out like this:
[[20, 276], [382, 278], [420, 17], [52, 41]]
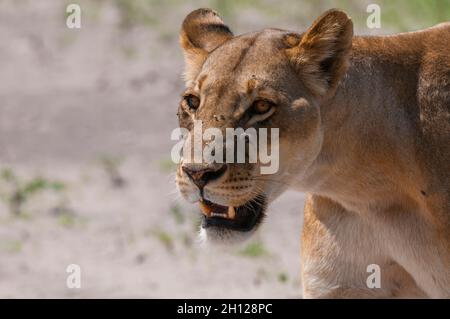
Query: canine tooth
[[231, 212], [206, 210]]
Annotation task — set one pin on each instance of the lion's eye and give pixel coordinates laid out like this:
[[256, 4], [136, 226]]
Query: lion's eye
[[261, 106], [192, 101]]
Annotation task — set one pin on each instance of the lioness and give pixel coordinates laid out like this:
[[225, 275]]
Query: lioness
[[364, 128]]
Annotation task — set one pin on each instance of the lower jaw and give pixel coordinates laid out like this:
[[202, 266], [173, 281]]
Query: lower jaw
[[228, 224], [248, 217]]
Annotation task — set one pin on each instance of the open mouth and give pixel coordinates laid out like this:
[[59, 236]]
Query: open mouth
[[243, 218]]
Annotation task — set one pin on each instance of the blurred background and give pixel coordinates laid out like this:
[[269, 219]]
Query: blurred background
[[85, 170]]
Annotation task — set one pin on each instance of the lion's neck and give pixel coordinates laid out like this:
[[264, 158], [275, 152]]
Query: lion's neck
[[367, 151]]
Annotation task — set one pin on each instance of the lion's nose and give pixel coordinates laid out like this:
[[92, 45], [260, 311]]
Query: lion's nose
[[201, 175]]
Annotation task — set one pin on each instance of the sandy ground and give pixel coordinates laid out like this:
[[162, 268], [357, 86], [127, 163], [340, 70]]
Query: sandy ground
[[69, 98]]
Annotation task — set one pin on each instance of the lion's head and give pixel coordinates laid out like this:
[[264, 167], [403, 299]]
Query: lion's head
[[267, 79]]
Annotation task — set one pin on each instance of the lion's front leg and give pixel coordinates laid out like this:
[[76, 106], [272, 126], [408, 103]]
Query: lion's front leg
[[341, 257]]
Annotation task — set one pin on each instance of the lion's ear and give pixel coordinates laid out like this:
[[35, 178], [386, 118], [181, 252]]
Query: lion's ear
[[321, 55], [202, 31]]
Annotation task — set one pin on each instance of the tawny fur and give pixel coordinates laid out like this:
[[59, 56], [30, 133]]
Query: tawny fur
[[364, 129]]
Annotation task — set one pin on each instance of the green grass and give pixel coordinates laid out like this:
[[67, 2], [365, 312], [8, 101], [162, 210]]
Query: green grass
[[254, 250], [67, 220], [408, 15], [11, 246], [137, 12], [15, 191], [166, 165], [165, 239], [398, 15], [282, 277], [112, 167]]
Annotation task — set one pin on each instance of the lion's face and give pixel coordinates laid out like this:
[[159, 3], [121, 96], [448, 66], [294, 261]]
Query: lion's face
[[250, 81]]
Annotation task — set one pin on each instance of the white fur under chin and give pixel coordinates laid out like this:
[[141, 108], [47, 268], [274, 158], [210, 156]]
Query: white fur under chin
[[202, 236], [222, 237]]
